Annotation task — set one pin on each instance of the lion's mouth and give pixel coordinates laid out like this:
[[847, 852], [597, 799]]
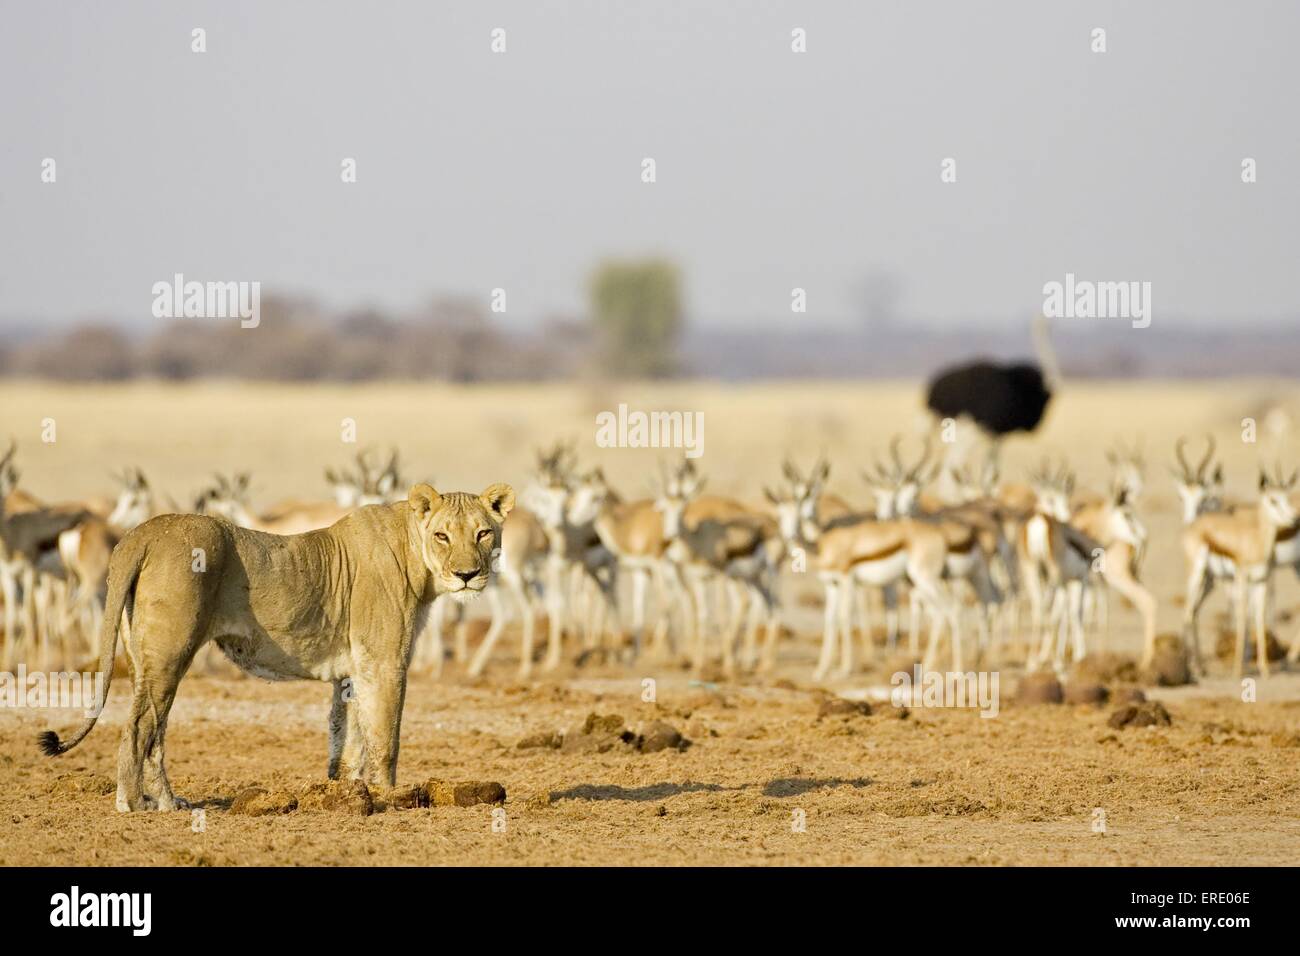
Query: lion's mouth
[[457, 585]]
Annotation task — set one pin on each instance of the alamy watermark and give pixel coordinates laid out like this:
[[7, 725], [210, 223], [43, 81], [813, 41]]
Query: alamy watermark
[[923, 688], [179, 299], [1085, 299], [39, 690], [133, 911], [637, 429]]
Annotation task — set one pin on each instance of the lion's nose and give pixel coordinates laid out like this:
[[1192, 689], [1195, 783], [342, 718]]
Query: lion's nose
[[466, 576]]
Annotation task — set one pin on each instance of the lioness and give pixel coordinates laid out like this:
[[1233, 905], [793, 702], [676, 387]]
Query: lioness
[[342, 604]]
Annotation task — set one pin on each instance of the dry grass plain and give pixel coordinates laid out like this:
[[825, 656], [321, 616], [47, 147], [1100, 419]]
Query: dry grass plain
[[1221, 785]]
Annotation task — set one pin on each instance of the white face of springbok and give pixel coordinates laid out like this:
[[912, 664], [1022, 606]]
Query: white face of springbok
[[897, 490], [1122, 522], [789, 514], [226, 498], [1197, 496], [1275, 499], [1128, 470], [1200, 489], [679, 490], [969, 486], [1053, 492], [796, 505], [587, 497], [134, 504], [549, 496], [366, 485]]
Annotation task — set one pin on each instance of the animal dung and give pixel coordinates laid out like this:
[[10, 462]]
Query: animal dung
[[840, 707], [338, 796], [466, 793], [260, 802], [1041, 688], [1150, 713]]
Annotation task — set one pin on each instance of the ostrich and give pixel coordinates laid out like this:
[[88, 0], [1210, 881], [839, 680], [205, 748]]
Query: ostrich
[[1000, 399]]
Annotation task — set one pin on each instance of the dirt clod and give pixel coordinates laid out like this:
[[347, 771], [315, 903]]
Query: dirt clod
[[260, 802], [659, 735], [598, 734], [1105, 667], [1042, 688], [338, 796], [468, 793], [840, 707], [1128, 695], [407, 798], [1150, 713], [1169, 667], [1085, 692]]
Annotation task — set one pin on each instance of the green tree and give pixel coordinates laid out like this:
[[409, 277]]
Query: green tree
[[637, 309]]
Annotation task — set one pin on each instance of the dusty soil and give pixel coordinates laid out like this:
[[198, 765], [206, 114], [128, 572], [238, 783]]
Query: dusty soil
[[1220, 785]]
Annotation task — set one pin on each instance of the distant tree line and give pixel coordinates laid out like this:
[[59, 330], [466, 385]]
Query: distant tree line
[[634, 330]]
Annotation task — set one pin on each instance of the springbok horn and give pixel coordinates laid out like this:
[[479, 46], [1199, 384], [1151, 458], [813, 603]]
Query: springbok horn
[[1209, 453]]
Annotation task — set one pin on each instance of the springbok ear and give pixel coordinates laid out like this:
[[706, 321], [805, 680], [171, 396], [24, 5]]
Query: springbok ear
[[767, 492], [498, 499], [1263, 480], [422, 499]]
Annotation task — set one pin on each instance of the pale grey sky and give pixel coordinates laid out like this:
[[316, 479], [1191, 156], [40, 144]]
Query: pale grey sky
[[775, 169]]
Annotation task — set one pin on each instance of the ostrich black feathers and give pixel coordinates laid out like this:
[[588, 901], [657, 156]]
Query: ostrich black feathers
[[1001, 398]]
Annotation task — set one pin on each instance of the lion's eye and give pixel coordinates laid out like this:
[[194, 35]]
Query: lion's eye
[[484, 533], [441, 537]]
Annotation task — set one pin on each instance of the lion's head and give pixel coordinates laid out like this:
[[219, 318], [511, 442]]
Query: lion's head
[[458, 533]]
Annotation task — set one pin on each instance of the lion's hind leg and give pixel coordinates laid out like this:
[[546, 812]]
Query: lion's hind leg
[[347, 741], [141, 776], [347, 746], [161, 642]]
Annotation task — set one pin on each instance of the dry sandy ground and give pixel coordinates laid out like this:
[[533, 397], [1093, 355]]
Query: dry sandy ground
[[1221, 785]]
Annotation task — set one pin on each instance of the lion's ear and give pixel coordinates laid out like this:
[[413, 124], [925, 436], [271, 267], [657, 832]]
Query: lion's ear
[[422, 499], [498, 499]]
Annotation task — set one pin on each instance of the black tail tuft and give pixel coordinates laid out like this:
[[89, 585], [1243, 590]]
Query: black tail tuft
[[49, 744]]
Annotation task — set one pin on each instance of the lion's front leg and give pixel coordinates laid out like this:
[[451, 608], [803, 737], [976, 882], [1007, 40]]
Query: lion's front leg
[[380, 695]]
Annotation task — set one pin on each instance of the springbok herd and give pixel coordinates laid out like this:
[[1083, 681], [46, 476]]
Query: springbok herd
[[952, 537]]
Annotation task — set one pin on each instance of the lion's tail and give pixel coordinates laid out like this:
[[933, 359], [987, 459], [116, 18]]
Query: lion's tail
[[123, 569]]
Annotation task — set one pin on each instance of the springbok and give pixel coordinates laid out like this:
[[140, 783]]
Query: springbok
[[85, 549], [633, 533], [805, 499], [744, 547], [28, 542], [1055, 561], [229, 499], [878, 554], [974, 538], [1245, 539], [367, 485]]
